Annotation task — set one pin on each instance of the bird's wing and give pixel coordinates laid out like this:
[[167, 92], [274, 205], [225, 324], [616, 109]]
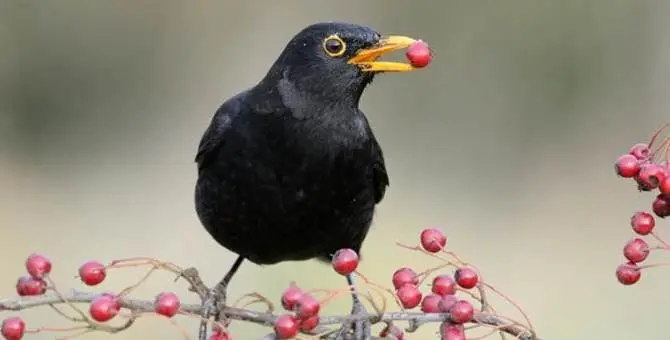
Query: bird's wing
[[379, 176], [215, 134]]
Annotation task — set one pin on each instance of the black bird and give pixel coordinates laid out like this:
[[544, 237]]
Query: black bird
[[289, 170]]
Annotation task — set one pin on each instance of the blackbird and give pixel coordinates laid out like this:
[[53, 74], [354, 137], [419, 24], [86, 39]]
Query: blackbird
[[290, 170]]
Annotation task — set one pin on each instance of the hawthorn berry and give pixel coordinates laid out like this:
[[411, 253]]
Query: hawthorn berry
[[30, 286], [404, 276], [628, 273], [290, 297], [409, 296], [627, 166], [309, 324], [104, 308], [219, 334], [452, 332], [636, 250], [443, 285], [466, 277], [345, 261], [433, 240], [419, 54], [38, 266], [643, 222], [640, 151], [431, 303], [650, 176], [461, 312], [307, 306], [92, 273], [13, 328], [286, 326], [167, 304], [661, 206], [447, 302], [391, 330], [664, 186], [113, 297]]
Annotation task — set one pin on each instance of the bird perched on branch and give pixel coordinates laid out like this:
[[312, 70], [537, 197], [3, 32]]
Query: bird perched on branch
[[290, 170]]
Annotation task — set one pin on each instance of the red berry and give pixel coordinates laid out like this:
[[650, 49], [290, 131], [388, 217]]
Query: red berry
[[404, 276], [307, 325], [433, 240], [345, 261], [627, 166], [392, 331], [409, 296], [104, 308], [664, 186], [290, 297], [307, 306], [650, 176], [167, 304], [115, 298], [466, 277], [628, 273], [30, 286], [13, 328], [219, 334], [447, 302], [642, 222], [38, 266], [286, 326], [461, 312], [444, 285], [430, 303], [661, 206], [640, 151], [419, 54], [92, 273], [452, 332], [636, 250]]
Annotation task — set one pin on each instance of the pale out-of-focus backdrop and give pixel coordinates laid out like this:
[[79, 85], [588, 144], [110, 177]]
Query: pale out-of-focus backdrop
[[507, 141]]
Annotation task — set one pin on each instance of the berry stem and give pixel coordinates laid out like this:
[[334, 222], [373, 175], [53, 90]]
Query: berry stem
[[653, 153], [655, 135], [665, 245], [652, 265], [67, 301], [508, 299]]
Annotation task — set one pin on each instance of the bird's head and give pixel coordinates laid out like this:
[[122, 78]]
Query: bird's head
[[336, 61]]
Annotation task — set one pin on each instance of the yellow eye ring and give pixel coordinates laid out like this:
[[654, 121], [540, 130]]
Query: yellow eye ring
[[334, 46]]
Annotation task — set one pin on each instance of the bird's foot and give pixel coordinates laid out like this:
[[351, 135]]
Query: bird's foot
[[212, 306], [361, 325]]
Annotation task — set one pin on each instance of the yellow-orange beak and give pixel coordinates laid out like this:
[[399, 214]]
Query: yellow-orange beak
[[366, 58]]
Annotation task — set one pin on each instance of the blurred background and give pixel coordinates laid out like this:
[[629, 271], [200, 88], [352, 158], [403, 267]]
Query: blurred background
[[507, 141]]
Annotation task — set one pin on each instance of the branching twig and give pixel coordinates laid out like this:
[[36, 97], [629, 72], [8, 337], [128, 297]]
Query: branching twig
[[138, 306]]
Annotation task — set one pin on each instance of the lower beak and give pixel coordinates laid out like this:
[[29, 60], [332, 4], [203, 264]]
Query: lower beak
[[366, 58]]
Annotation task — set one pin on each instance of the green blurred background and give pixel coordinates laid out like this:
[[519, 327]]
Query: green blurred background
[[507, 141]]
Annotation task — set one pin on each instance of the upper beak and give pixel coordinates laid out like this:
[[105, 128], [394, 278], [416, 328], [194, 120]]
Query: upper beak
[[366, 58]]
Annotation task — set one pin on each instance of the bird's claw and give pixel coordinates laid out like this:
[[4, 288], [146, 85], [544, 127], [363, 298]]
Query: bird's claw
[[361, 326], [212, 305]]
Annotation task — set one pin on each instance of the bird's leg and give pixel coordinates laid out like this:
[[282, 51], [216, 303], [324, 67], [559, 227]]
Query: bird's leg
[[362, 326], [216, 299]]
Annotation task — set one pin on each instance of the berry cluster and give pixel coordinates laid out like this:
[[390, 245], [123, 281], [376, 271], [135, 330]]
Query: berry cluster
[[102, 308], [303, 308], [304, 313], [650, 173], [442, 298]]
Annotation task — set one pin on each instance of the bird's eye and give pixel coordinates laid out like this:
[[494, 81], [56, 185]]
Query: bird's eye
[[334, 46]]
